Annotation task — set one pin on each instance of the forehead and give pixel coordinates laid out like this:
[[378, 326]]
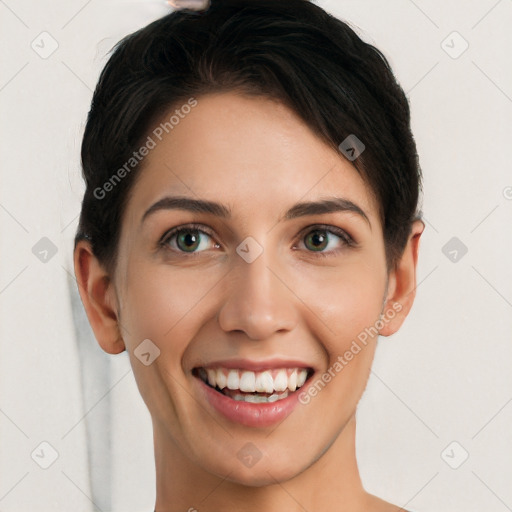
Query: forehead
[[252, 153]]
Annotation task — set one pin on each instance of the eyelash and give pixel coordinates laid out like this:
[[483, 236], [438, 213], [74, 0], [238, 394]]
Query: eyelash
[[347, 240]]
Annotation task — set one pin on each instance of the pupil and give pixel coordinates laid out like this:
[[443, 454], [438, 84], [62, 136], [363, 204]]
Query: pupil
[[187, 238], [318, 237]]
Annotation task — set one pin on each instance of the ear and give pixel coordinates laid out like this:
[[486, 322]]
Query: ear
[[98, 297], [402, 284]]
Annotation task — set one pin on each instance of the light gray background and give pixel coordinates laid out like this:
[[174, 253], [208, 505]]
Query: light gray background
[[444, 377]]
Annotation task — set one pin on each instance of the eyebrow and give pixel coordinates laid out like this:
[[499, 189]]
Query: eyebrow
[[323, 206]]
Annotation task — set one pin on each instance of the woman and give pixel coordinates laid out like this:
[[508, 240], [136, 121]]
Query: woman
[[250, 226]]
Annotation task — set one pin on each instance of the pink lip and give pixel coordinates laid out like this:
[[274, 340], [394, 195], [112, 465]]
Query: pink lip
[[249, 414], [257, 366]]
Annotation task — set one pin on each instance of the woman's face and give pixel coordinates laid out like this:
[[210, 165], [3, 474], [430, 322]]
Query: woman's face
[[259, 283]]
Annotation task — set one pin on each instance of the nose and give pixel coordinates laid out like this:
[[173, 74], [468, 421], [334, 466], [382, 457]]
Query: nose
[[259, 302]]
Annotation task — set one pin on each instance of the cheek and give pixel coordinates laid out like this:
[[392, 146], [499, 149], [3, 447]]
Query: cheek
[[166, 306], [161, 303], [347, 298]]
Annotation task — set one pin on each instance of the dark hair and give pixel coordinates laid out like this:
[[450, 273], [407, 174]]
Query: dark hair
[[289, 50]]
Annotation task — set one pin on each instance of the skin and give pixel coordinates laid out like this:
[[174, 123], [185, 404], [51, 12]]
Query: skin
[[257, 157]]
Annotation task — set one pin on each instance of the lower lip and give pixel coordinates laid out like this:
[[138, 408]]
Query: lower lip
[[249, 414]]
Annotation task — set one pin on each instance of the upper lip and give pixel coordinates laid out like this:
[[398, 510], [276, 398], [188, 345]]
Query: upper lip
[[257, 366]]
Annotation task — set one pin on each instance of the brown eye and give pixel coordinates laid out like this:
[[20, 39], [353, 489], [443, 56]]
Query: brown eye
[[321, 238], [188, 239], [318, 240]]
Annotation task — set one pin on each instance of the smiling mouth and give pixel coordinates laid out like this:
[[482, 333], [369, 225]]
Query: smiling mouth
[[256, 387]]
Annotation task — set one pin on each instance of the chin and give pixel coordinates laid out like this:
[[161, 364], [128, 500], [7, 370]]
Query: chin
[[262, 473]]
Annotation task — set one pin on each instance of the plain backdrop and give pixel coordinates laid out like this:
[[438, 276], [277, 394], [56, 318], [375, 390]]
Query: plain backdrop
[[434, 425]]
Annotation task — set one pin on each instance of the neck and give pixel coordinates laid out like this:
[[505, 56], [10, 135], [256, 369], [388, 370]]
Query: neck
[[331, 482]]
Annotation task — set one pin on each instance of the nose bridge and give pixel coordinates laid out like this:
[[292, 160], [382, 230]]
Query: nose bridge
[[257, 303]]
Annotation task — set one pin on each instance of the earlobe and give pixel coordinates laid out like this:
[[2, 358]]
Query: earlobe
[[402, 284], [98, 297]]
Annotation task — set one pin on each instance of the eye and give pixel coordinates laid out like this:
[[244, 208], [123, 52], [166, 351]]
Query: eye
[[323, 237], [187, 239], [193, 238]]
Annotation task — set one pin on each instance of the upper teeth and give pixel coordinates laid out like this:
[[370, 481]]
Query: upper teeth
[[266, 381]]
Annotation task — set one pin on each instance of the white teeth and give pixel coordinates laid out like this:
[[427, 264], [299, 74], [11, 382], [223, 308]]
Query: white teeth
[[233, 379], [292, 381], [268, 381], [222, 380], [248, 382], [254, 399], [211, 377], [301, 377], [264, 382], [259, 399], [281, 380]]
